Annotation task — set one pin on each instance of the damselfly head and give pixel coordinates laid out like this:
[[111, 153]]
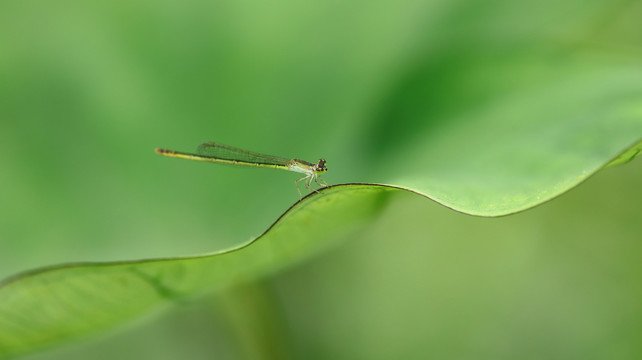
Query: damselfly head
[[320, 166]]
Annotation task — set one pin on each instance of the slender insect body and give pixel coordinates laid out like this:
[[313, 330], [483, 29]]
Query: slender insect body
[[224, 154]]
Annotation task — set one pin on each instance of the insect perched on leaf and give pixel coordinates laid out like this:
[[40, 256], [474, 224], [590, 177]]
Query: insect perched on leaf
[[224, 154]]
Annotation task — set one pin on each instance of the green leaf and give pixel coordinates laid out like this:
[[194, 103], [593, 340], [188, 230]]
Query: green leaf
[[627, 155], [485, 116], [49, 305], [526, 146]]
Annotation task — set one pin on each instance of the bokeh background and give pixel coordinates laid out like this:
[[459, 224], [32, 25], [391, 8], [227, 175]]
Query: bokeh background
[[88, 90]]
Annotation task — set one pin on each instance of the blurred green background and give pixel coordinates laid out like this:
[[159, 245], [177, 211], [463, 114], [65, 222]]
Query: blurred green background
[[88, 90]]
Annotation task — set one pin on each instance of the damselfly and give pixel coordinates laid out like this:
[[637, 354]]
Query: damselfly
[[224, 154]]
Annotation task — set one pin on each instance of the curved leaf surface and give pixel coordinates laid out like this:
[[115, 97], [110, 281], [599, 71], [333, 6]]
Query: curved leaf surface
[[54, 304], [485, 124], [525, 146]]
